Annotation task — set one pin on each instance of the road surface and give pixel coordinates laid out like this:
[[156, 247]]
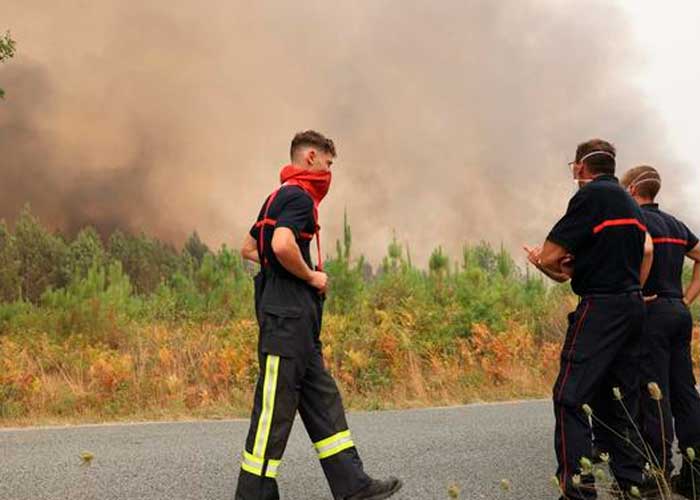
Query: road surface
[[474, 447]]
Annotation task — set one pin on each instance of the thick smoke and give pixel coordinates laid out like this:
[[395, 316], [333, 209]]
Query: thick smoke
[[454, 120]]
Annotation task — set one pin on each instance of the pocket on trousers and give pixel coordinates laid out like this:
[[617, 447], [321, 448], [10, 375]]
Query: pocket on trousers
[[280, 330]]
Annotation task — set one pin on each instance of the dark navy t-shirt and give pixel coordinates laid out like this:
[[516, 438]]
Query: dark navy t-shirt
[[603, 229], [292, 208], [672, 241]]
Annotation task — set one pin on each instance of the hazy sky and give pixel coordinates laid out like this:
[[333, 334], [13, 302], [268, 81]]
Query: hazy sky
[[668, 34]]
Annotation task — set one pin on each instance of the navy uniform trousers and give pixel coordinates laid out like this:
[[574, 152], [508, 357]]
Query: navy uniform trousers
[[668, 362], [293, 378], [601, 353]]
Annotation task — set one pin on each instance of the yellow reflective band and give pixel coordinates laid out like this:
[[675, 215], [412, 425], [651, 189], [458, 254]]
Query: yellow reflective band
[[254, 465], [268, 405], [334, 445], [272, 466]]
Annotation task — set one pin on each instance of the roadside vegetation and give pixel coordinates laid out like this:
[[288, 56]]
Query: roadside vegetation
[[129, 327]]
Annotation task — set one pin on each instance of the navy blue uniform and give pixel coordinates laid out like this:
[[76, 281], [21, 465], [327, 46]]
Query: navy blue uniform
[[603, 229], [667, 358], [292, 373]]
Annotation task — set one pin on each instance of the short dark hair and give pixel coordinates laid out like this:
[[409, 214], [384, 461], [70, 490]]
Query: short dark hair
[[598, 163], [313, 139], [646, 179]]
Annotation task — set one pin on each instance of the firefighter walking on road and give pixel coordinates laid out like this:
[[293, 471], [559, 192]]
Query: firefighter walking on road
[[289, 295], [667, 358], [600, 243]]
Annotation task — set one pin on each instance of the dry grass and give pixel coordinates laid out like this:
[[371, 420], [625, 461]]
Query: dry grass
[[157, 372]]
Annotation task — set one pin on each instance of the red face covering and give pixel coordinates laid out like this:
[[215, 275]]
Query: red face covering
[[316, 184]]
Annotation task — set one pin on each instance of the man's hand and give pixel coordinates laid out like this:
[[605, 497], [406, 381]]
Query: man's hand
[[319, 280], [533, 255], [249, 249], [652, 298]]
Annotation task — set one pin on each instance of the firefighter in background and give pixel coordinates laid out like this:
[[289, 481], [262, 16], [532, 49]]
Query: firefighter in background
[[289, 295], [669, 328], [601, 244]]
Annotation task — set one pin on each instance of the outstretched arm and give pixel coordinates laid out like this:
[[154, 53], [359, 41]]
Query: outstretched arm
[[693, 289]]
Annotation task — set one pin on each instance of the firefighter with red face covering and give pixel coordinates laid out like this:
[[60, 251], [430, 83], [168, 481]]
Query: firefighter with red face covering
[[289, 295]]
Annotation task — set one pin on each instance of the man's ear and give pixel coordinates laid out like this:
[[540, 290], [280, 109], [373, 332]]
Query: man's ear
[[585, 173], [310, 157]]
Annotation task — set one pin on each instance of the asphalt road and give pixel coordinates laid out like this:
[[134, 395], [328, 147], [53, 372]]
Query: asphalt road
[[474, 447]]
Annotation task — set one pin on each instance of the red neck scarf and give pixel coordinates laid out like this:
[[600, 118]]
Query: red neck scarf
[[316, 184]]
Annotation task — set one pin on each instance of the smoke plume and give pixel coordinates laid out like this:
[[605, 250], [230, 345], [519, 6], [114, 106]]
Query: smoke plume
[[454, 120]]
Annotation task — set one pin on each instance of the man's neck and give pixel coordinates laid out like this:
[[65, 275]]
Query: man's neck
[[642, 200]]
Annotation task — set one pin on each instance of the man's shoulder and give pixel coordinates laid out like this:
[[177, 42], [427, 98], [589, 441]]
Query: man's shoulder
[[674, 222], [287, 194], [669, 217]]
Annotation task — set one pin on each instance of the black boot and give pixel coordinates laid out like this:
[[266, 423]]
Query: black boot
[[377, 490], [687, 483]]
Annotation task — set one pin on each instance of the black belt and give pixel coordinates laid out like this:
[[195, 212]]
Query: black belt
[[633, 293]]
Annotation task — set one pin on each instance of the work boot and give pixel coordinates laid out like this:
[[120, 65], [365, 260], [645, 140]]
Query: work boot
[[377, 490], [687, 483]]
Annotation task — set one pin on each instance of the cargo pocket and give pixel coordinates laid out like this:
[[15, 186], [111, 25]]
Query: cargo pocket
[[281, 330]]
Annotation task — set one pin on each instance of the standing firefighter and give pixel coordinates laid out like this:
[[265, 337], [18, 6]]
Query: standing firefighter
[[601, 243], [669, 329], [289, 304]]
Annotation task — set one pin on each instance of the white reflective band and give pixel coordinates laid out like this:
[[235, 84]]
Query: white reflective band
[[334, 445], [272, 466], [593, 153], [268, 405], [254, 465]]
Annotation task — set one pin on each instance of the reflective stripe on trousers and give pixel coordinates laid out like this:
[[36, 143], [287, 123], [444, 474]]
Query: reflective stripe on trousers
[[334, 445], [254, 462], [254, 465]]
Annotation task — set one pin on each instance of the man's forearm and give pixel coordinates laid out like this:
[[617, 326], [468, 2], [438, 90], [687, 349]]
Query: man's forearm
[[291, 259], [249, 250], [647, 260], [558, 276]]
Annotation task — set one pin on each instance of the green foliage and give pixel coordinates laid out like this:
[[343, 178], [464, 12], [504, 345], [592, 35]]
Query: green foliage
[[80, 286], [10, 284], [96, 304], [84, 252], [196, 248], [438, 263], [43, 257], [147, 261], [7, 51], [346, 278]]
